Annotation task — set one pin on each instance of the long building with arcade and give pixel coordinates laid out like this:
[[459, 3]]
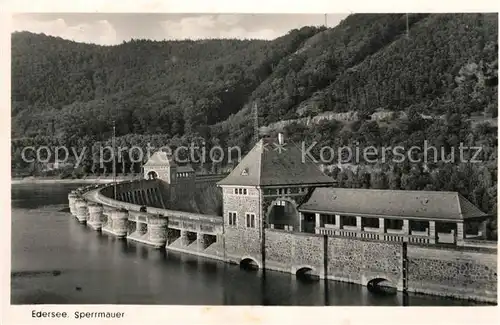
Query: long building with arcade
[[276, 210]]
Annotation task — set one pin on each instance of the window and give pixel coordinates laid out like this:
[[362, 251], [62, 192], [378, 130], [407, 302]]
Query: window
[[250, 218], [349, 221], [232, 218], [393, 224], [370, 222], [282, 191], [328, 219], [280, 203], [240, 191]]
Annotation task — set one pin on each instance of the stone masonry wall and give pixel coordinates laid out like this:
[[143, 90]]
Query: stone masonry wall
[[460, 273], [183, 189], [350, 260], [288, 252], [309, 251], [152, 192], [241, 241], [359, 261]]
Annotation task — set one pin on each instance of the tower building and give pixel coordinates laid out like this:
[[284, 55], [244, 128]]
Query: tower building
[[264, 191]]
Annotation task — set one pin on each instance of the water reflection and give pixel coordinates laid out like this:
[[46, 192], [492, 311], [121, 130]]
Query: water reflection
[[96, 268]]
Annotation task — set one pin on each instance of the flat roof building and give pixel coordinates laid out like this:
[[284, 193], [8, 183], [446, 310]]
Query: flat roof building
[[423, 216]]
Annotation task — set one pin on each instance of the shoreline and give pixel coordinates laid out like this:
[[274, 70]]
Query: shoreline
[[65, 181]]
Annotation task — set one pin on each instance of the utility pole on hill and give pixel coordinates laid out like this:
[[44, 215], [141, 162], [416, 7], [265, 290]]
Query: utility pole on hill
[[255, 123], [407, 27]]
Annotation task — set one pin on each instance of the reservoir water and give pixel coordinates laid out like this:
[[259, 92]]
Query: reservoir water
[[56, 260]]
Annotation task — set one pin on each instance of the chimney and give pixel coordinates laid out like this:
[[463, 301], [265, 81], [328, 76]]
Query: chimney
[[280, 138]]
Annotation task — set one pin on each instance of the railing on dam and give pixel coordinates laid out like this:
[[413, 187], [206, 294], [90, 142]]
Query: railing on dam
[[391, 237], [490, 244], [176, 218], [203, 178], [413, 238]]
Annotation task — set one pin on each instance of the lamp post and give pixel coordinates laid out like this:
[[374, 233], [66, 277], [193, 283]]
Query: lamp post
[[114, 160]]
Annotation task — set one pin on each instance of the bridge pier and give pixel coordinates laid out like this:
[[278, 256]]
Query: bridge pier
[[107, 222], [184, 238], [157, 231], [200, 241], [131, 227], [72, 196], [81, 210], [95, 216], [141, 228], [119, 224]]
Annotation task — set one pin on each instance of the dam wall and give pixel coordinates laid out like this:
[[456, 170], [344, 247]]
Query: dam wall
[[445, 270]]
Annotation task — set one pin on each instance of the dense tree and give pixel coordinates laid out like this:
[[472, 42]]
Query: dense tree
[[438, 88]]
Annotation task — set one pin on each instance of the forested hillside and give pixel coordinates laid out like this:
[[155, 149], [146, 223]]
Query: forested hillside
[[175, 92], [62, 88]]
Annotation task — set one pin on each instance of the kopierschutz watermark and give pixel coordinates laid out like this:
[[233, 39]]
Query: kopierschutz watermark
[[398, 154]]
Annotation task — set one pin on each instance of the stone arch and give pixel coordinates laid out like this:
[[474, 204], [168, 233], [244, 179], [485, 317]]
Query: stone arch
[[382, 285], [152, 174], [250, 262], [291, 204], [304, 270], [375, 281], [273, 202]]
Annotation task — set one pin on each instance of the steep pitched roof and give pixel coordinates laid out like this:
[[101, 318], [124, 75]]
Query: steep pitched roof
[[266, 165], [159, 158], [410, 204]]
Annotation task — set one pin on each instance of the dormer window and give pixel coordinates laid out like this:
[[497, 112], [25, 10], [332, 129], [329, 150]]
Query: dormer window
[[283, 191]]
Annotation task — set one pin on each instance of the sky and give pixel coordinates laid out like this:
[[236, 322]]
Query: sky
[[111, 29]]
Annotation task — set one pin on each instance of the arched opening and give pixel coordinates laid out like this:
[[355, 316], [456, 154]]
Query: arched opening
[[172, 235], [131, 227], [283, 214], [142, 228], [381, 286], [152, 175], [249, 264], [306, 274], [191, 237]]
